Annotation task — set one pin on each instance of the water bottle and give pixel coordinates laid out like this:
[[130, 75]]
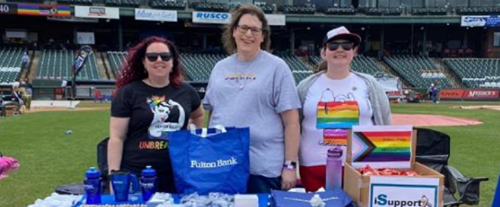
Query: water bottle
[[148, 183], [92, 185], [334, 168]]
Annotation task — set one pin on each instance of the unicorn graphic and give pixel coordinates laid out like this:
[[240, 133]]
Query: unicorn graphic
[[162, 109]]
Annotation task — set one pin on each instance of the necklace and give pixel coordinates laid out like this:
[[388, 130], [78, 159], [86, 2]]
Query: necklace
[[352, 82], [241, 79]]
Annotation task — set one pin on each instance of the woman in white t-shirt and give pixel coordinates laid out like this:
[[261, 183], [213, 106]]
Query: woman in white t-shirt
[[333, 100]]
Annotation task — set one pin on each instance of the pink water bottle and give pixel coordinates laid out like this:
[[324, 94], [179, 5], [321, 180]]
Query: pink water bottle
[[334, 168]]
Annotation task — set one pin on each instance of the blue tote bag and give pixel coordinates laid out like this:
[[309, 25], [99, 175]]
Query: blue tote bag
[[210, 160]]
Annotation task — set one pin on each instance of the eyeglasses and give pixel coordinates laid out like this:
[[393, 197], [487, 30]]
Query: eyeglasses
[[153, 56], [335, 45], [244, 29]]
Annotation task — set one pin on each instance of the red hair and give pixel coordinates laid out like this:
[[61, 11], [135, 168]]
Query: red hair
[[133, 68]]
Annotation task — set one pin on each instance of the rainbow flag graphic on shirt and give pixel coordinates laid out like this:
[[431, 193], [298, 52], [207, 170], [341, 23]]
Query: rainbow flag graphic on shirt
[[337, 115], [335, 137], [383, 146]]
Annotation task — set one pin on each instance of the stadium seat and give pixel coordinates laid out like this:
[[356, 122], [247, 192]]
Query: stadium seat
[[340, 11], [199, 66], [298, 9], [58, 65], [208, 6], [412, 68], [474, 71], [10, 64], [162, 4], [76, 2]]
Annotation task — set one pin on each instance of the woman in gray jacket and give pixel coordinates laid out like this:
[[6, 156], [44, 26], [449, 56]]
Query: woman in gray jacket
[[333, 100]]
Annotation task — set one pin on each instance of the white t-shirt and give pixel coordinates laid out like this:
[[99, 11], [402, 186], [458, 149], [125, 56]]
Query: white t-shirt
[[347, 99]]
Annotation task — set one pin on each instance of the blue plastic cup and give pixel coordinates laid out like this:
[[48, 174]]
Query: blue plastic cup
[[121, 182]]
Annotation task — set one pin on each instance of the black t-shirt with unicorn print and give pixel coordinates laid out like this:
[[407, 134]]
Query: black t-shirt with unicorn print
[[153, 113]]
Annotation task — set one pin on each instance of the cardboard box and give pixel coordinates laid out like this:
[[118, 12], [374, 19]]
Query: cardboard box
[[398, 191]]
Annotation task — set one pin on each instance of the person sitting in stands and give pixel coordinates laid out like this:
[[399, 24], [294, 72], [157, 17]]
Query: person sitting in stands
[[16, 97]]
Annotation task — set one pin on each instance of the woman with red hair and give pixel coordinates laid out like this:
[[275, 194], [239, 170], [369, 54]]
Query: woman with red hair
[[151, 101]]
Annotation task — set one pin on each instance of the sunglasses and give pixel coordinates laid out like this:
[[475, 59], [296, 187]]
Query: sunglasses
[[345, 46], [153, 56]]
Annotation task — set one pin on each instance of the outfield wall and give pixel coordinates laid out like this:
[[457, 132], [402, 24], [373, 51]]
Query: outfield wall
[[470, 94]]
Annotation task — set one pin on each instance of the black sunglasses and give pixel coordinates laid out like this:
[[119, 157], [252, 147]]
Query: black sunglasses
[[345, 46], [153, 56]]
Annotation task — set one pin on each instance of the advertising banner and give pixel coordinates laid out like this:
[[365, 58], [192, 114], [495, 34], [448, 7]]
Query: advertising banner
[[276, 19], [480, 94], [97, 12], [43, 10], [82, 55], [8, 8], [451, 93], [225, 18], [211, 17], [156, 15], [480, 21], [470, 94], [85, 38], [386, 191]]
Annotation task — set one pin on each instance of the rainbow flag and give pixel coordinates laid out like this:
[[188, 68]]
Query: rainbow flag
[[384, 146], [337, 115], [43, 10]]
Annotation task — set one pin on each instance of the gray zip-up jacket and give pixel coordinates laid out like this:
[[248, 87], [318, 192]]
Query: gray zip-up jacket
[[378, 99]]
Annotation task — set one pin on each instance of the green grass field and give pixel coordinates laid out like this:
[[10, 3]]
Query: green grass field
[[49, 157]]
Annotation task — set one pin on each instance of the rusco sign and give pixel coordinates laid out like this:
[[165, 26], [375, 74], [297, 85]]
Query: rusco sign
[[211, 17]]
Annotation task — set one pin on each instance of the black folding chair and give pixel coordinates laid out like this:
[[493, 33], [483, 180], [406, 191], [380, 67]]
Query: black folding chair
[[433, 150], [102, 163]]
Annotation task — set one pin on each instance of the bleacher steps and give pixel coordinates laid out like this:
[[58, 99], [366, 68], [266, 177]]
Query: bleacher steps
[[100, 65], [387, 69], [306, 62], [34, 65], [108, 65], [450, 75]]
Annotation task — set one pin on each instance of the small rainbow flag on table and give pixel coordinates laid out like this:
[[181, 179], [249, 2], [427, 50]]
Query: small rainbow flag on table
[[384, 146], [337, 115]]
